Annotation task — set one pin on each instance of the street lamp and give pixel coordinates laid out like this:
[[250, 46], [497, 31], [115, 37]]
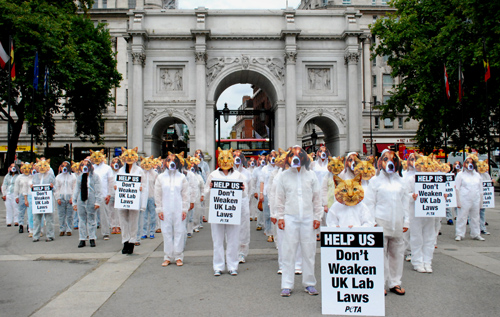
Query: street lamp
[[314, 138], [225, 113], [262, 115], [371, 129]]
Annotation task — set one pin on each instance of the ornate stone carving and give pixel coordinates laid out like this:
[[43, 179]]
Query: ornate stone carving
[[351, 58], [200, 57], [319, 78], [215, 66], [139, 58], [245, 61], [185, 113], [339, 113], [291, 57], [171, 79], [275, 65], [169, 4]]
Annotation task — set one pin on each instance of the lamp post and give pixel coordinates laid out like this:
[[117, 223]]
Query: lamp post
[[371, 129], [225, 114], [314, 138]]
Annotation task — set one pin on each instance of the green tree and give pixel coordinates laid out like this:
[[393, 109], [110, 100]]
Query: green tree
[[81, 64], [420, 38]]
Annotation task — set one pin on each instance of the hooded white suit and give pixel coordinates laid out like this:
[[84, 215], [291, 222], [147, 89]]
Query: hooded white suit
[[470, 198]]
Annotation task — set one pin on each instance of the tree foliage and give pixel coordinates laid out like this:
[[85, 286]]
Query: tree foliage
[[81, 64], [420, 38]]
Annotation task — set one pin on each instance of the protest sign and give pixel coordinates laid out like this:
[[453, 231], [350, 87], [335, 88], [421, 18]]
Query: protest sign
[[42, 199], [352, 271], [488, 195], [451, 200], [430, 188], [225, 202], [128, 194]]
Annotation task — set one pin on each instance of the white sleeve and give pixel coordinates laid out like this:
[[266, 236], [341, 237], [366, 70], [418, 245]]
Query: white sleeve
[[331, 217], [185, 195], [318, 208], [280, 199], [158, 195]]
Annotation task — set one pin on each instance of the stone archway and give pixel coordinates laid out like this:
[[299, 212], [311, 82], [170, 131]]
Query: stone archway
[[157, 126], [332, 121]]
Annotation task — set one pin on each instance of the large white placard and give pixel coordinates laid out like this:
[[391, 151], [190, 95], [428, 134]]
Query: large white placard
[[225, 202], [128, 193], [42, 199], [352, 271], [430, 188], [488, 195], [451, 200]]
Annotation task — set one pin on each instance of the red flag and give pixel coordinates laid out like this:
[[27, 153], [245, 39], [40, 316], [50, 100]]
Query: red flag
[[4, 57], [13, 66], [486, 70], [460, 82], [446, 83]]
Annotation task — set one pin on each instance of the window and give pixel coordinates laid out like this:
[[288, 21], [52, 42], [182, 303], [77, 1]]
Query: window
[[374, 2], [385, 58], [385, 98], [346, 1], [388, 123], [325, 2], [400, 123], [374, 100], [104, 4], [388, 81], [374, 18], [95, 5], [374, 80], [377, 123], [131, 4], [374, 61], [384, 2]]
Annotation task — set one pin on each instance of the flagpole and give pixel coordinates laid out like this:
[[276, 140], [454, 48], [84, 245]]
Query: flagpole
[[32, 118], [8, 98], [487, 108]]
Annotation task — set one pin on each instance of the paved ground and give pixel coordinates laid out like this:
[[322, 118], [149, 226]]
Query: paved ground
[[58, 279]]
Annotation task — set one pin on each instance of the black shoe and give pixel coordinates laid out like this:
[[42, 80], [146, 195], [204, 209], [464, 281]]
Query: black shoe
[[81, 244], [36, 240], [49, 240], [130, 248], [21, 230], [125, 248], [92, 243], [486, 224]]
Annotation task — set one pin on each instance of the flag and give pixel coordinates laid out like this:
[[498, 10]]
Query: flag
[[35, 75], [487, 74], [12, 65], [4, 57], [446, 83], [46, 81], [460, 82]]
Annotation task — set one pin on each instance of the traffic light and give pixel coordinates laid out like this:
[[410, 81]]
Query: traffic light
[[66, 150]]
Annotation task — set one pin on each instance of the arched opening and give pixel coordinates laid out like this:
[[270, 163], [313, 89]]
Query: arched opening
[[327, 133], [170, 134]]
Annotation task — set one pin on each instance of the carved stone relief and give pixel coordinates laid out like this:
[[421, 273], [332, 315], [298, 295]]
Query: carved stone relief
[[169, 4], [351, 58], [215, 66], [139, 58], [274, 65], [151, 114], [339, 113], [319, 78], [171, 79]]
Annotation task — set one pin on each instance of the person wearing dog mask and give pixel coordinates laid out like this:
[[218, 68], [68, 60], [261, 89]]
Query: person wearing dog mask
[[387, 197], [299, 211], [469, 193], [251, 166], [409, 179], [240, 163], [264, 193], [43, 177], [261, 163], [172, 204], [65, 184], [222, 232], [193, 187], [129, 218], [200, 185], [8, 195], [87, 197], [114, 221], [350, 164]]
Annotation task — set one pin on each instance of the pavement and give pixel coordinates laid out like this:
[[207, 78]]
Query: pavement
[[59, 279]]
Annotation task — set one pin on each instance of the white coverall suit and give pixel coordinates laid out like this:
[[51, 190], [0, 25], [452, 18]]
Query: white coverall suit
[[172, 198], [65, 187], [231, 233], [469, 187], [87, 214], [245, 214], [10, 201], [340, 215], [129, 218], [193, 188], [387, 196], [107, 178], [298, 203], [46, 178], [20, 183], [147, 225], [422, 229]]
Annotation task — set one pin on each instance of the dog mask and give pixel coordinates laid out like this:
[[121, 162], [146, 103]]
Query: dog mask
[[350, 163], [129, 156], [470, 164], [147, 163], [43, 166], [251, 162], [116, 164], [365, 168], [86, 167], [271, 158], [171, 162], [389, 162], [65, 167], [482, 166], [349, 192], [239, 158], [323, 153], [97, 157], [226, 159], [297, 157]]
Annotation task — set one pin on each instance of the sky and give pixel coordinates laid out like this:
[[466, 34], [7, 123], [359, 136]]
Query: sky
[[238, 4], [233, 95]]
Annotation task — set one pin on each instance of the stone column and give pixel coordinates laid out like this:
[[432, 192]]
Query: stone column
[[280, 140], [367, 72], [136, 108], [353, 109], [291, 99], [201, 100]]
